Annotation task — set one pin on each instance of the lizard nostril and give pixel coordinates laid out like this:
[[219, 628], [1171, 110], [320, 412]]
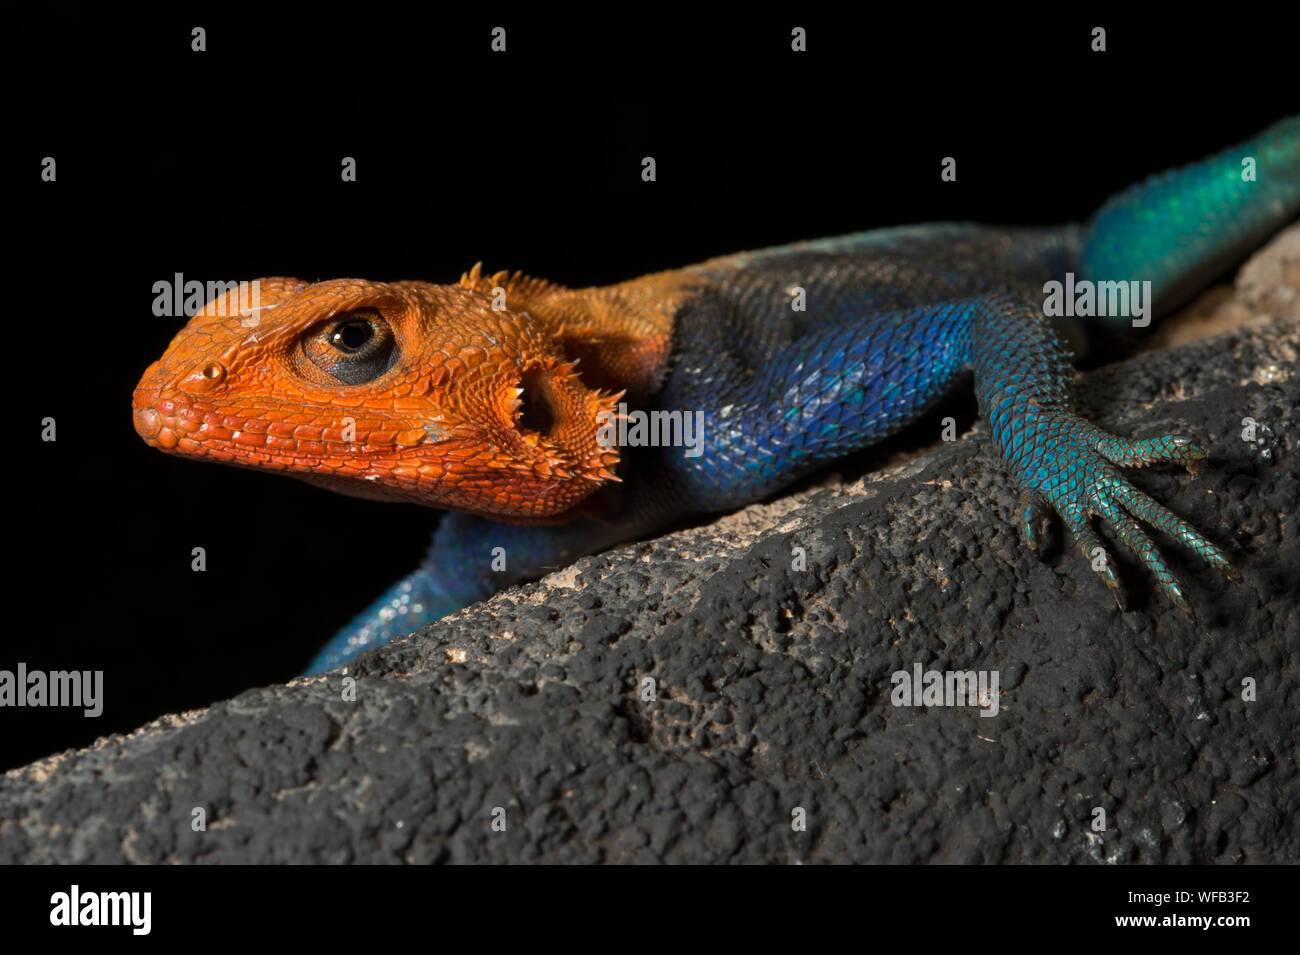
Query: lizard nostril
[[203, 379], [535, 411]]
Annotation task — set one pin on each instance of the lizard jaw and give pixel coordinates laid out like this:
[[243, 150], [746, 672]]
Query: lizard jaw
[[527, 455]]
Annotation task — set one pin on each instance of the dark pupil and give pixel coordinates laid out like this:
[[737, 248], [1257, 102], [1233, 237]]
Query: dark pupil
[[351, 336]]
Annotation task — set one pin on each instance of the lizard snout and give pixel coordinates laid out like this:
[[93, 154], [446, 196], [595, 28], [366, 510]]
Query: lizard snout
[[144, 405], [148, 422], [151, 423]]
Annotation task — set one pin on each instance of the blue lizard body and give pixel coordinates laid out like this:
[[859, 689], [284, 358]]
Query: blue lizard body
[[890, 320]]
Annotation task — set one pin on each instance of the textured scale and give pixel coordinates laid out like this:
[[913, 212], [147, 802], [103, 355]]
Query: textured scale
[[495, 413]]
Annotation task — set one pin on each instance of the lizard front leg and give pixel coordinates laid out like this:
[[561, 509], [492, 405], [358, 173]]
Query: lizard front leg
[[1063, 460], [463, 566], [846, 385], [471, 558]]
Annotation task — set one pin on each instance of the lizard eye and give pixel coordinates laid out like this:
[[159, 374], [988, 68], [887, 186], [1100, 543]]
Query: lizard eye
[[355, 347], [351, 336]]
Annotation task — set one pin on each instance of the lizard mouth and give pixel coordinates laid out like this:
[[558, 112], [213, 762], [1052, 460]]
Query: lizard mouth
[[526, 452]]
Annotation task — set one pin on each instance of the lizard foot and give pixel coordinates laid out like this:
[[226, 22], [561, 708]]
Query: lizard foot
[[1072, 466]]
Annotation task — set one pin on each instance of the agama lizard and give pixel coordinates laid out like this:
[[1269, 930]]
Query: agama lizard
[[492, 398]]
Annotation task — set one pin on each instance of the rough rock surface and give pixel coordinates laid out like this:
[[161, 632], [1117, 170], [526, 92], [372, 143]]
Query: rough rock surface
[[772, 685]]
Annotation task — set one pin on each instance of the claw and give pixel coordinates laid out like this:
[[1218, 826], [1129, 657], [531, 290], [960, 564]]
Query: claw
[[1190, 454], [1030, 535], [1175, 591], [1033, 523], [1113, 584]]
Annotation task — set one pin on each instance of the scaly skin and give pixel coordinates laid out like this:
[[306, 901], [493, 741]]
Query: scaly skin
[[486, 397]]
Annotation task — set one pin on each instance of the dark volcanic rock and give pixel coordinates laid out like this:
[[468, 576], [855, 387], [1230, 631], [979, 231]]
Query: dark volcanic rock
[[772, 684]]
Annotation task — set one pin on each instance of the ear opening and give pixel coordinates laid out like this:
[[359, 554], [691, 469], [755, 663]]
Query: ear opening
[[537, 410]]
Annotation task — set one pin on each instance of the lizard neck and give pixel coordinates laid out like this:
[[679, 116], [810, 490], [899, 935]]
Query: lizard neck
[[621, 334]]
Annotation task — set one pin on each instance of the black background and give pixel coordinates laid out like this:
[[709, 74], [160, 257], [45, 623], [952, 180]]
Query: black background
[[225, 165]]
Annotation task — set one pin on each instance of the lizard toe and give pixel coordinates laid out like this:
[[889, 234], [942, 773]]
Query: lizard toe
[[1132, 453], [1128, 531], [1160, 517], [1095, 553], [1033, 515]]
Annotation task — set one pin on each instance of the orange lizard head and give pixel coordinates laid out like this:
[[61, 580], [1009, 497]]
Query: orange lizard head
[[399, 391]]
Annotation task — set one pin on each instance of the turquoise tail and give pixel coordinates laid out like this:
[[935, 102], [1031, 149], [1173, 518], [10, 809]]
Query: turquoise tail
[[1182, 228]]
